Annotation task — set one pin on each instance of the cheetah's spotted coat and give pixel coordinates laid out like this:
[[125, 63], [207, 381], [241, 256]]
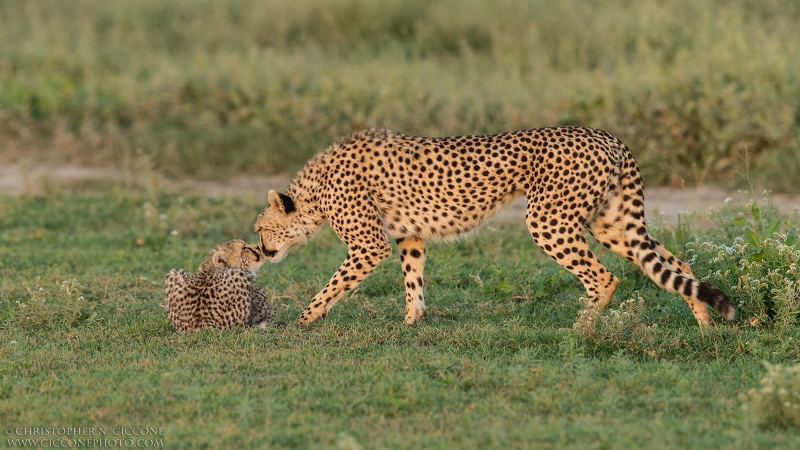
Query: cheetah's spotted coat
[[222, 294], [376, 184]]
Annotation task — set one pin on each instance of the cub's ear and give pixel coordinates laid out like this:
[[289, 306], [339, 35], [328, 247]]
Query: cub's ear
[[281, 202], [218, 259]]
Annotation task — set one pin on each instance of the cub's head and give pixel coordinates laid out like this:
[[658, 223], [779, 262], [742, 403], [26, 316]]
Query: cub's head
[[279, 227], [235, 254]]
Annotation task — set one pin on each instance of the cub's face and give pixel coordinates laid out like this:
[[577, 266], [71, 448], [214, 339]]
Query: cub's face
[[234, 254], [278, 227]]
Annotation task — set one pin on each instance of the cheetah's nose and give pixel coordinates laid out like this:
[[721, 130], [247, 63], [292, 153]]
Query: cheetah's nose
[[267, 253]]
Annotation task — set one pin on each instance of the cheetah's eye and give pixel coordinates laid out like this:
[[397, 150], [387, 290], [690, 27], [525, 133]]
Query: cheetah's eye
[[256, 254]]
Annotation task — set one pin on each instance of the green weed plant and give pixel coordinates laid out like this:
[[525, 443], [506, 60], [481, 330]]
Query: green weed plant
[[52, 309], [622, 327]]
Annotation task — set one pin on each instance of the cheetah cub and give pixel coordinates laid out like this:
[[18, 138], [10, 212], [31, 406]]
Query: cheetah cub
[[377, 185], [222, 294]]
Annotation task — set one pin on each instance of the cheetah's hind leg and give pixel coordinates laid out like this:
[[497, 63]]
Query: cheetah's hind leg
[[621, 228], [564, 241]]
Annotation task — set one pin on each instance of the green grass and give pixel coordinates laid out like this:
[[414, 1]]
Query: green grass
[[210, 88], [497, 364]]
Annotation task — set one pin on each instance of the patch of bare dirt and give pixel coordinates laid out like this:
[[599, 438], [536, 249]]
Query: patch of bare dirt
[[20, 180], [668, 202]]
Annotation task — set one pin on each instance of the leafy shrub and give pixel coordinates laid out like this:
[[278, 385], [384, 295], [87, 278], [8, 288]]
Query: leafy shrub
[[777, 402], [760, 270]]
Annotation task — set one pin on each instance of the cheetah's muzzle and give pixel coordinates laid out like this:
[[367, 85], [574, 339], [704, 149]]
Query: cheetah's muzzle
[[268, 253]]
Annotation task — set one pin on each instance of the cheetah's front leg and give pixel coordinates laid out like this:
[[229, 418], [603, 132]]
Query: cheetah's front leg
[[412, 258], [359, 263]]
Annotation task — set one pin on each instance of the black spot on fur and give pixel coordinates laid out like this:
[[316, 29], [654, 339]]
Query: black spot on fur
[[676, 284], [649, 257], [687, 289], [665, 277]]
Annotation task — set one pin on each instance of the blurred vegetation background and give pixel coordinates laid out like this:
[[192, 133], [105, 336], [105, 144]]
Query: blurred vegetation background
[[209, 88]]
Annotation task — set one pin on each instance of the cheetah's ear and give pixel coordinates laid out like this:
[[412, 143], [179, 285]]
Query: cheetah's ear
[[281, 202], [274, 200]]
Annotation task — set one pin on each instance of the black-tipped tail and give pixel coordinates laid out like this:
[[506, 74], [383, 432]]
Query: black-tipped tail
[[717, 299]]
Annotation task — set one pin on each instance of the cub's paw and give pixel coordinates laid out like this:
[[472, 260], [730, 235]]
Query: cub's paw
[[268, 324]]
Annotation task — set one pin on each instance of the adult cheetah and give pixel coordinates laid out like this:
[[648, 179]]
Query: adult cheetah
[[377, 184], [222, 294]]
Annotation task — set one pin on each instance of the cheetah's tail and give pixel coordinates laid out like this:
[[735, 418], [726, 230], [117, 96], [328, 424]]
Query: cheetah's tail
[[658, 270], [655, 265]]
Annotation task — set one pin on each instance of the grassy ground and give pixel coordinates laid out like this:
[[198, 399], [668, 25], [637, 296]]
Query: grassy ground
[[209, 88], [499, 363]]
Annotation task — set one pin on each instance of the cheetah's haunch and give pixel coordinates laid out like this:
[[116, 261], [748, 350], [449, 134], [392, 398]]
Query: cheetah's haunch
[[222, 294], [376, 184]]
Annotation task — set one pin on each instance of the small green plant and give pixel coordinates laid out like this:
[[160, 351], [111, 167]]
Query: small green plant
[[755, 232], [618, 325], [760, 227], [63, 308], [777, 402]]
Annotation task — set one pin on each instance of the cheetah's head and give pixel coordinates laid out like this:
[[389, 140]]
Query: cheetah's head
[[234, 254], [280, 227]]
